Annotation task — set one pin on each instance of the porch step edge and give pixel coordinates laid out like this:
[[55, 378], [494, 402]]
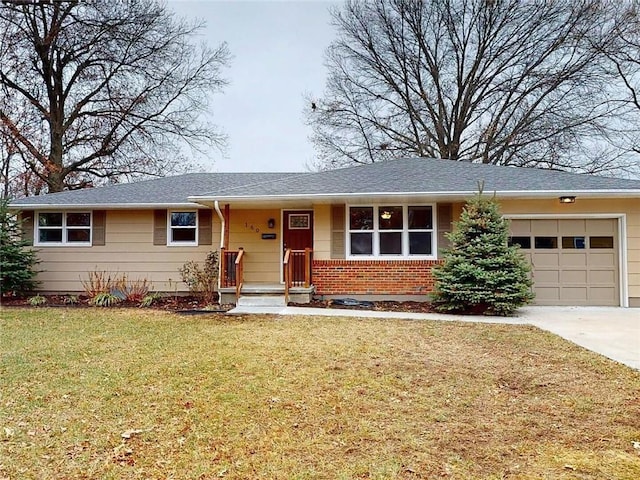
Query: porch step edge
[[261, 301]]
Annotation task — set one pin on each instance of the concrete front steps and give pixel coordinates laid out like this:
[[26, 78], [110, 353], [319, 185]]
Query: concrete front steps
[[265, 295]]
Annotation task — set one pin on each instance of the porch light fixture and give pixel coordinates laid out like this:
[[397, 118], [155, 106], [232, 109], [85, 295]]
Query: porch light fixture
[[271, 223], [568, 199], [385, 215]]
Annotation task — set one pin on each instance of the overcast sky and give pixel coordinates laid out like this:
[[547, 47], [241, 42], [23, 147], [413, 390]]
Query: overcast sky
[[278, 57]]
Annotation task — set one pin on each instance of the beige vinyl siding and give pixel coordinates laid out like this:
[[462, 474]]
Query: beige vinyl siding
[[629, 207], [322, 232], [128, 250], [338, 233], [445, 225], [262, 258]]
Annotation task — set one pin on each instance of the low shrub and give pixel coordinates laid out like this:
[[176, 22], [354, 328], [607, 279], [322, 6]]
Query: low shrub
[[105, 289], [202, 279], [149, 299], [37, 301], [70, 300], [99, 282], [105, 299], [132, 290]]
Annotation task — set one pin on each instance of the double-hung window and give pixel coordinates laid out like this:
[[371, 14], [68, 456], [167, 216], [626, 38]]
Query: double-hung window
[[183, 228], [63, 228], [391, 231]]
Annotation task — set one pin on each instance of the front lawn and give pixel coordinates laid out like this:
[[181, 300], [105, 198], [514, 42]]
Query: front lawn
[[93, 393]]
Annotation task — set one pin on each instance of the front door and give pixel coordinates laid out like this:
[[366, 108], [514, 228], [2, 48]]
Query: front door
[[297, 234]]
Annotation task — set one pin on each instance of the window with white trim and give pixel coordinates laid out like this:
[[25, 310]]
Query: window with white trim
[[183, 228], [63, 228], [391, 231]]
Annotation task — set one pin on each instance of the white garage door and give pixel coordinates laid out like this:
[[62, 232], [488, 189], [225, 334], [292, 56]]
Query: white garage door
[[574, 261]]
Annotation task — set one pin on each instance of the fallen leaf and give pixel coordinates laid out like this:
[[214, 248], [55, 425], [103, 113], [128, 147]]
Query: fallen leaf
[[129, 433]]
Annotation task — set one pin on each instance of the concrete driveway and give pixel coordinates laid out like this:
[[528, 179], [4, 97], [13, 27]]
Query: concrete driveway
[[610, 331]]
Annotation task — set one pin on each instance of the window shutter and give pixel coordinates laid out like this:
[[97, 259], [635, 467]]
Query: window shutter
[[26, 219], [337, 231], [445, 222], [159, 227], [99, 227], [204, 227]]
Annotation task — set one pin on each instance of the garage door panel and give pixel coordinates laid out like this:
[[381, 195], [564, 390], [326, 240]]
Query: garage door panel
[[546, 276], [547, 295], [520, 227], [602, 259], [566, 270], [602, 277], [544, 227], [543, 260], [604, 296], [601, 226], [574, 260], [575, 295], [573, 227], [573, 276]]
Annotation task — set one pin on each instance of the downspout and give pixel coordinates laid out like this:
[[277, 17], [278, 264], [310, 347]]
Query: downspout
[[216, 206]]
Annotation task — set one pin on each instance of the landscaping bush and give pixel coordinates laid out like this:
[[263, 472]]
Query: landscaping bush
[[481, 273], [105, 289], [202, 279], [17, 260]]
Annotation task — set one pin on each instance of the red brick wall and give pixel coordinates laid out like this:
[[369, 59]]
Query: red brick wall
[[373, 277]]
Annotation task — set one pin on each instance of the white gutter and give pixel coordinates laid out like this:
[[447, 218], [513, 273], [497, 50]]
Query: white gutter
[[520, 194], [216, 205]]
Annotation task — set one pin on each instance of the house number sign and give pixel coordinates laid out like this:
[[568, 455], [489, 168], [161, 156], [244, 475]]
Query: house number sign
[[251, 227]]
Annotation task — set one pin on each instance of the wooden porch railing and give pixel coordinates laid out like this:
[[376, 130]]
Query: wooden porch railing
[[232, 269], [296, 266]]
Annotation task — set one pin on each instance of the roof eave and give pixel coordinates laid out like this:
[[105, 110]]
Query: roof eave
[[102, 206], [514, 194]]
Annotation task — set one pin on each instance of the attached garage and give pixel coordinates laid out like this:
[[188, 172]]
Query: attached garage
[[575, 261]]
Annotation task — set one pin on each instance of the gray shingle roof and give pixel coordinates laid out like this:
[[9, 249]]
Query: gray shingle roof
[[405, 176], [428, 176], [158, 191]]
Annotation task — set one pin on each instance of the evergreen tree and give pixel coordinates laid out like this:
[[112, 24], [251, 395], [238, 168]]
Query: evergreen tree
[[481, 273], [17, 261]]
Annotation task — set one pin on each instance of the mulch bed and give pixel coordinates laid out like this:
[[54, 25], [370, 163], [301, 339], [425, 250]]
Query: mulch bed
[[182, 303], [171, 303], [382, 306]]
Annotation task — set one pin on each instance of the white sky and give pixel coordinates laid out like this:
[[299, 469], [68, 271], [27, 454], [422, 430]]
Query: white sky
[[278, 57]]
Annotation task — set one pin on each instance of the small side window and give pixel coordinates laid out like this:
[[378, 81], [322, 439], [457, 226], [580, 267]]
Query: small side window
[[522, 242], [183, 228], [573, 243], [546, 242], [600, 242]]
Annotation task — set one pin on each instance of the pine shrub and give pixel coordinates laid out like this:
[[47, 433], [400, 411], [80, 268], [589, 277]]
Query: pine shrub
[[17, 260], [481, 274]]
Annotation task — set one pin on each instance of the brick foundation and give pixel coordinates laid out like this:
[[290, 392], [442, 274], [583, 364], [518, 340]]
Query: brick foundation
[[373, 277]]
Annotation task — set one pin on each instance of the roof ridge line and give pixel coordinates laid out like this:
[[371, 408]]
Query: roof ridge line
[[245, 185]]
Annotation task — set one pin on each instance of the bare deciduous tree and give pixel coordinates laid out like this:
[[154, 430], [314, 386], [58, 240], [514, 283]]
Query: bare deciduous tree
[[500, 82], [103, 91]]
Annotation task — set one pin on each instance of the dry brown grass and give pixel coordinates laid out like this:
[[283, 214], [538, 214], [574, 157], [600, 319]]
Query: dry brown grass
[[305, 398]]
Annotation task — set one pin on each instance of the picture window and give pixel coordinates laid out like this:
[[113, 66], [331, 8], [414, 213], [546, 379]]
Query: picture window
[[63, 228], [391, 230]]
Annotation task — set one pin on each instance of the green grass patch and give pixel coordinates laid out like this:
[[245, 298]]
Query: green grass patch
[[94, 393]]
